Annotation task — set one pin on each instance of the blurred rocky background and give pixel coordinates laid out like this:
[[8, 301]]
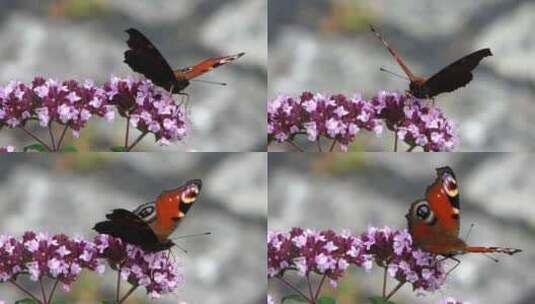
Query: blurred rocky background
[[358, 190], [69, 193], [81, 39], [326, 46]]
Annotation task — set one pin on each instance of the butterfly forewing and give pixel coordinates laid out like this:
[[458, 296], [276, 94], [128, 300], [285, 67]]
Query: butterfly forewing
[[144, 58], [455, 75], [205, 66]]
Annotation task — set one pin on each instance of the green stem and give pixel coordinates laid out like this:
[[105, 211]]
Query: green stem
[[62, 137], [136, 141], [294, 289], [400, 284], [53, 291], [25, 291], [295, 146], [43, 293], [47, 147], [319, 287], [127, 294], [52, 139], [127, 132], [333, 145]]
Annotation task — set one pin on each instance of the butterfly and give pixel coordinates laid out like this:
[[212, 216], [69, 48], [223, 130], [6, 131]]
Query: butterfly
[[434, 222], [143, 57], [457, 74], [150, 225]]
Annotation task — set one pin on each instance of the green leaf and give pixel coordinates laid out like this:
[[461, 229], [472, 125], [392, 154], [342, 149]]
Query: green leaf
[[108, 302], [380, 300], [35, 147], [118, 149], [294, 298], [326, 300], [26, 301], [69, 149]]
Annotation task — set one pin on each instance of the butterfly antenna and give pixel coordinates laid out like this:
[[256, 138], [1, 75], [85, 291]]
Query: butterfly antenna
[[469, 231], [191, 235], [209, 82], [392, 73], [491, 257]]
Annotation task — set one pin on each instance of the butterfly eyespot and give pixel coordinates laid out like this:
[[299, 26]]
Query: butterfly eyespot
[[423, 211], [449, 185], [190, 195]]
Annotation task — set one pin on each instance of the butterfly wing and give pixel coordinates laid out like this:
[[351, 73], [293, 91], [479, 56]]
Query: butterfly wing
[[455, 75], [143, 57], [171, 206], [132, 229], [434, 222], [205, 66], [428, 233]]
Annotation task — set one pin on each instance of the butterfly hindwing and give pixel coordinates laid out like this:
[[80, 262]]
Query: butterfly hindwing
[[130, 228]]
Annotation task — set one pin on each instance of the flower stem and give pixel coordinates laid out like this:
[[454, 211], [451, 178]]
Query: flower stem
[[384, 282], [127, 294], [43, 290], [396, 140], [118, 285], [127, 132], [295, 146], [62, 137], [411, 148], [319, 144], [52, 136], [25, 291], [319, 287], [47, 147], [294, 288], [333, 145], [128, 149], [400, 284], [53, 291], [310, 289]]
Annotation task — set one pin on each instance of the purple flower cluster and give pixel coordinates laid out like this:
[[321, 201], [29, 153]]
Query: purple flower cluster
[[157, 272], [306, 251], [150, 109], [67, 103], [393, 249], [334, 117], [59, 257], [340, 118], [71, 104], [329, 253], [41, 255], [416, 123]]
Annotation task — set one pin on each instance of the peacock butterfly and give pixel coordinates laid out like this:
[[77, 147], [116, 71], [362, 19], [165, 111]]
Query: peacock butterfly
[[457, 74], [150, 225], [143, 57], [434, 222]]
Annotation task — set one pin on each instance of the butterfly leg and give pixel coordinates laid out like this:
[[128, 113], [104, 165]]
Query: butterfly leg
[[453, 268], [184, 100]]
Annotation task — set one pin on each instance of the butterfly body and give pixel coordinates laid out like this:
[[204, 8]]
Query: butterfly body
[[434, 222], [150, 225], [454, 76], [143, 57]]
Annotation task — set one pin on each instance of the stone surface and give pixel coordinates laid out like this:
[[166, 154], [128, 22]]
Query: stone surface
[[353, 191], [71, 193], [493, 113], [230, 118]]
